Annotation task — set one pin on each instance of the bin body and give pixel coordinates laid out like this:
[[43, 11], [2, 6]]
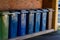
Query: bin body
[[44, 17], [13, 24], [0, 27], [31, 23], [22, 23], [37, 23], [49, 18], [4, 25]]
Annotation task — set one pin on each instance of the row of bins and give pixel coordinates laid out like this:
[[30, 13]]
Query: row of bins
[[23, 22]]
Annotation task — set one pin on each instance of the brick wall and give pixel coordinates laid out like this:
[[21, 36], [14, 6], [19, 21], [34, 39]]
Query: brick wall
[[20, 4], [4, 4], [47, 3]]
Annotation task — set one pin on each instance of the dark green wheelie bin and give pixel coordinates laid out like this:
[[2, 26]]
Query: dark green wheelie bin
[[4, 24]]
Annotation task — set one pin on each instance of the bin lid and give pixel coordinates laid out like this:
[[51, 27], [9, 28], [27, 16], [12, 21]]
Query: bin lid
[[5, 13], [38, 11], [50, 10], [16, 12], [44, 10], [0, 13], [32, 11], [24, 11]]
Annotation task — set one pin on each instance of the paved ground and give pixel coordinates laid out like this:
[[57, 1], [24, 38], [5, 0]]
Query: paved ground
[[50, 36]]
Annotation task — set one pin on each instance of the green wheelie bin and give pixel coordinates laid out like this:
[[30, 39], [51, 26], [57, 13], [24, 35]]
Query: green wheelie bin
[[4, 24]]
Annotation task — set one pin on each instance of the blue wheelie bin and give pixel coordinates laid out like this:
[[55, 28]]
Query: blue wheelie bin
[[38, 19], [22, 23], [31, 22], [44, 19], [13, 24]]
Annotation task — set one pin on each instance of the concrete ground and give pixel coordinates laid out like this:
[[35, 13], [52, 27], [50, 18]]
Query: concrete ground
[[50, 36]]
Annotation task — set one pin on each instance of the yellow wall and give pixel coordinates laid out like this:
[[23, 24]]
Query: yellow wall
[[55, 14]]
